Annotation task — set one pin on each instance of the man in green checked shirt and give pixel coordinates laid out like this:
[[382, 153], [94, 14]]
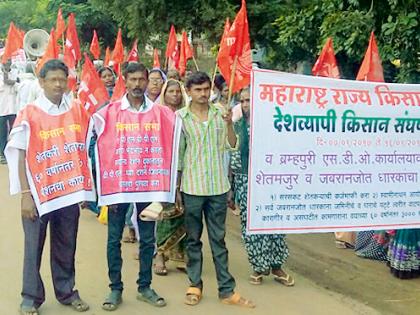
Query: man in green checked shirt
[[207, 133]]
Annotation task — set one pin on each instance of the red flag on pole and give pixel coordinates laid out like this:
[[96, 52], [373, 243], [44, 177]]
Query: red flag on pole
[[95, 49], [118, 53], [107, 57], [185, 54], [371, 68], [72, 48], [326, 65], [60, 25], [51, 52], [14, 42], [72, 51], [156, 62], [92, 92], [119, 89], [133, 55], [236, 45], [172, 52]]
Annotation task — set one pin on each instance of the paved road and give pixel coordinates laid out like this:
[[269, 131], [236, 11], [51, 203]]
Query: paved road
[[307, 297]]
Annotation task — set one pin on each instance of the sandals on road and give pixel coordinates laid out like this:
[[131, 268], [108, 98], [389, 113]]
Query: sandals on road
[[150, 296], [193, 296], [113, 300], [286, 280], [238, 300], [28, 310]]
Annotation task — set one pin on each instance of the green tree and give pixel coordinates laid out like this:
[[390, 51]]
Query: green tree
[[302, 31]]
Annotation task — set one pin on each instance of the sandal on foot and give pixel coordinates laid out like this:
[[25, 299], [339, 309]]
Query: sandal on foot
[[256, 279], [286, 280], [112, 301], [193, 296], [160, 270], [28, 310], [79, 305], [159, 267], [237, 299], [150, 296]]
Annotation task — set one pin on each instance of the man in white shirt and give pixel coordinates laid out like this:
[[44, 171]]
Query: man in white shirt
[[134, 102], [8, 106], [64, 218]]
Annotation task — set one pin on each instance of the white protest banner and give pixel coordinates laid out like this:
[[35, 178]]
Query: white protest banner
[[332, 155]]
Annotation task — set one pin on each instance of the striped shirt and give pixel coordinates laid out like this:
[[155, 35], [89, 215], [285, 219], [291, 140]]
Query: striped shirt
[[201, 153]]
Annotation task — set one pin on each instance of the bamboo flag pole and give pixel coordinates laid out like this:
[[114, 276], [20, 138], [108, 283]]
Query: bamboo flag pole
[[232, 80], [63, 42], [166, 64], [195, 62], [214, 76]]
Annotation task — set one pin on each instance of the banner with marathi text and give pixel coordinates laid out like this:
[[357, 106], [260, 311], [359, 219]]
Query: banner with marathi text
[[58, 168], [137, 155], [332, 155]]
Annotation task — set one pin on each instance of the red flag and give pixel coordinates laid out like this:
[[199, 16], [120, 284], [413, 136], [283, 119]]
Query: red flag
[[72, 48], [92, 92], [60, 25], [326, 65], [72, 51], [236, 44], [185, 54], [14, 42], [133, 55], [51, 52], [118, 53], [172, 52], [156, 62], [119, 89], [107, 57], [94, 46], [371, 68]]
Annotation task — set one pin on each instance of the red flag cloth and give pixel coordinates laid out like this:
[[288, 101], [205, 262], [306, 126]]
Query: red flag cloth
[[326, 65], [371, 68], [236, 43], [14, 42], [172, 51], [72, 48], [107, 57], [156, 62], [95, 49], [51, 52], [60, 25], [133, 55], [118, 53], [92, 91], [185, 54], [119, 89]]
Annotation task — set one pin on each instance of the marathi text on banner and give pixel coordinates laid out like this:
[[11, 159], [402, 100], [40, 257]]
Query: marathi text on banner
[[332, 155]]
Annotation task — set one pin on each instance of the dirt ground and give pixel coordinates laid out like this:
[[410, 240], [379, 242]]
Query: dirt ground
[[328, 280]]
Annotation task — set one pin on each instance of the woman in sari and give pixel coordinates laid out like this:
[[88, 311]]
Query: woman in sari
[[399, 248], [170, 233], [266, 253]]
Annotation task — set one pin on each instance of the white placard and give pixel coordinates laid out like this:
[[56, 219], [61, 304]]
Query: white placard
[[332, 155]]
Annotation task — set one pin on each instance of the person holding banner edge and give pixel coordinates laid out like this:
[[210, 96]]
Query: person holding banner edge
[[207, 133], [266, 253]]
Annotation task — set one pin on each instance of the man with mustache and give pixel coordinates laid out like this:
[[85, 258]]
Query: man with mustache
[[207, 134], [126, 111]]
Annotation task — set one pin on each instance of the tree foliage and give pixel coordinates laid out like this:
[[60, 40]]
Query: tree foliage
[[302, 31], [291, 31]]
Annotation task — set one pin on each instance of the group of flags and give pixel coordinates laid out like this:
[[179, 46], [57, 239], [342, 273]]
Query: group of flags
[[370, 69], [234, 58]]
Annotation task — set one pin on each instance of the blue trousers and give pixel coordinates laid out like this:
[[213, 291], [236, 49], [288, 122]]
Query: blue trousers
[[116, 223]]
